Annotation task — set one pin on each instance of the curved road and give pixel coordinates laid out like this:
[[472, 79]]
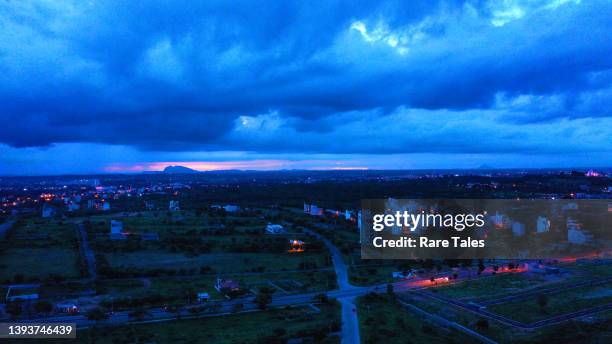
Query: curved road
[[350, 321]]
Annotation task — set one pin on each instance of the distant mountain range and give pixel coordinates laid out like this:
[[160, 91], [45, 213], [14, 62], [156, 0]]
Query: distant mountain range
[[179, 169]]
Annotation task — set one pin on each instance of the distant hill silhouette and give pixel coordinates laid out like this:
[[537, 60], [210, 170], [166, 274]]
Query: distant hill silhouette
[[179, 169]]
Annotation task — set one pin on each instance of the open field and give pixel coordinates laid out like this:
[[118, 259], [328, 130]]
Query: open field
[[37, 248], [490, 287], [181, 290], [529, 310], [38, 263], [382, 319], [220, 262], [271, 326], [595, 328]]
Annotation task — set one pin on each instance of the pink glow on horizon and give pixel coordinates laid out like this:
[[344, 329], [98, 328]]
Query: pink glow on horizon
[[262, 165]]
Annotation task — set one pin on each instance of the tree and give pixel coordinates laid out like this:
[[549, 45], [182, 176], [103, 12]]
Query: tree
[[262, 299], [238, 308], [482, 324], [138, 314], [390, 289], [322, 298], [96, 314], [542, 302], [43, 307], [14, 309], [481, 266]]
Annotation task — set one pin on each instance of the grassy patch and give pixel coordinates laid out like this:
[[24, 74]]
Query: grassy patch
[[38, 263], [271, 326], [563, 302], [382, 319], [491, 286]]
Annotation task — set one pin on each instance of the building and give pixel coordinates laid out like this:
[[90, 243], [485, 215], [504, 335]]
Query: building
[[106, 206], [116, 227], [542, 224], [315, 211], [231, 208], [296, 245], [500, 221], [274, 229], [174, 206], [403, 274], [576, 235], [347, 215], [20, 293], [48, 211], [67, 307], [73, 207], [518, 229], [116, 230], [203, 297], [149, 205], [224, 285]]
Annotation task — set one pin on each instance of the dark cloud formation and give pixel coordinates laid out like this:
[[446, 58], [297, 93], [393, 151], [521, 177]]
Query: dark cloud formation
[[320, 77]]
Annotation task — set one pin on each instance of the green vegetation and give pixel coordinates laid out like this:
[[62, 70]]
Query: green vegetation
[[490, 287], [382, 319], [271, 326], [595, 328], [537, 307], [39, 250]]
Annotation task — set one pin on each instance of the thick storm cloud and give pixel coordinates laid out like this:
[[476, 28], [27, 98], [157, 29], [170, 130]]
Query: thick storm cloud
[[350, 77]]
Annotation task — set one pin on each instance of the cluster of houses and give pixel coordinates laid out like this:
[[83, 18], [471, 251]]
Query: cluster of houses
[[576, 234], [314, 210], [117, 232], [229, 208]]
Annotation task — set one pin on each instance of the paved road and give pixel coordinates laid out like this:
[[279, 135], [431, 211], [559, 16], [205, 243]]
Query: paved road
[[226, 307], [350, 321], [86, 252]]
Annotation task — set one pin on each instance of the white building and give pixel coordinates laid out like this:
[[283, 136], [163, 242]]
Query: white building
[[575, 233], [203, 297], [518, 229], [231, 208], [274, 229], [73, 207], [542, 224], [174, 206], [500, 221], [116, 227], [47, 210], [315, 211]]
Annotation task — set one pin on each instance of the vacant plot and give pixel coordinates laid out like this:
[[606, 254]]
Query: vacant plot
[[278, 325], [30, 264], [594, 329], [219, 262], [490, 287], [382, 319], [536, 307], [182, 290]]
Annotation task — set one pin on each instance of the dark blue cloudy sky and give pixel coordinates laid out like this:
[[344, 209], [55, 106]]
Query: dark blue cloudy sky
[[113, 86]]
